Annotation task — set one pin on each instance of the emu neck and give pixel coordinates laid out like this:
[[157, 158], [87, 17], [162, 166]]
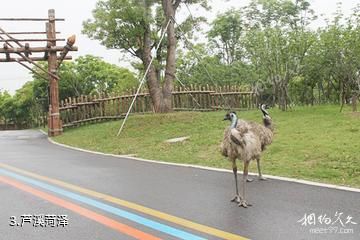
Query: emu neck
[[233, 122], [267, 122]]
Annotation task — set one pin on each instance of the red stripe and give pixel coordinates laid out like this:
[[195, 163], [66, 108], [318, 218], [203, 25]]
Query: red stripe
[[82, 211]]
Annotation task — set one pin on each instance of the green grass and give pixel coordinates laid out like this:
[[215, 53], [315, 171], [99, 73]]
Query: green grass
[[314, 143]]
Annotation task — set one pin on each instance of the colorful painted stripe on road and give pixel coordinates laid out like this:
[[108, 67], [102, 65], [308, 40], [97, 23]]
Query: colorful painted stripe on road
[[152, 212], [105, 207], [122, 228]]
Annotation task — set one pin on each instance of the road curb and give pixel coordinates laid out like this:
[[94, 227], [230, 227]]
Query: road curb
[[306, 182]]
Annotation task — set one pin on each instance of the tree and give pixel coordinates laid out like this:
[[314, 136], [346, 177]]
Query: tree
[[134, 27], [21, 108], [332, 62], [5, 98], [88, 75], [202, 68], [225, 36], [7, 108], [340, 41], [26, 109], [101, 77], [277, 41]]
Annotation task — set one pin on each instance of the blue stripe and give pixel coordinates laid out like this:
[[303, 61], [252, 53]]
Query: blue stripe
[[119, 212]]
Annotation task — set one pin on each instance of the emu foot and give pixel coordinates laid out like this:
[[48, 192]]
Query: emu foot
[[236, 199], [243, 203], [262, 178], [249, 179]]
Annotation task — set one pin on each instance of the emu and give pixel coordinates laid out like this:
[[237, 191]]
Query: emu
[[245, 141]]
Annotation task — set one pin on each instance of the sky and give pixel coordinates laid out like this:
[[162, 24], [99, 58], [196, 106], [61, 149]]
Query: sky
[[13, 75]]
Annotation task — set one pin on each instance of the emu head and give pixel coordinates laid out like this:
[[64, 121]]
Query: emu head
[[230, 116]]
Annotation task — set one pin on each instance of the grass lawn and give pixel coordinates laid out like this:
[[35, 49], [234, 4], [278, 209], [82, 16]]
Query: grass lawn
[[314, 143]]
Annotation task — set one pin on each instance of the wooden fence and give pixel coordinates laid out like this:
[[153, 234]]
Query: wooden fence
[[8, 126], [76, 111]]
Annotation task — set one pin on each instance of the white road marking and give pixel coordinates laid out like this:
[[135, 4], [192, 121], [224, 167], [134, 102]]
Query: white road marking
[[208, 168]]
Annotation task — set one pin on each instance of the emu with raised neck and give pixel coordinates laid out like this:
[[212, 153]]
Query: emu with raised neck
[[234, 120]]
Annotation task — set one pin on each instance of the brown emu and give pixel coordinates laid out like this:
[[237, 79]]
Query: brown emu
[[245, 141]]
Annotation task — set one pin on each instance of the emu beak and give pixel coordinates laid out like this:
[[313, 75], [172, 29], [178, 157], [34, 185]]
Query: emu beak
[[226, 117]]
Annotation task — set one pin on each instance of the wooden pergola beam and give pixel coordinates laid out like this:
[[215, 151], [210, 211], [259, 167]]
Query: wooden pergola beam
[[33, 59], [6, 47], [31, 19], [10, 37], [36, 49], [32, 70], [33, 40], [50, 55], [70, 42], [25, 33], [27, 58]]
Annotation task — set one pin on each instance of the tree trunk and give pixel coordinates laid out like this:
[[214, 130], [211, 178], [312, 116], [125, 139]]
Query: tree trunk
[[161, 97], [354, 102], [283, 94], [170, 69], [312, 96], [276, 95], [152, 81], [342, 95]]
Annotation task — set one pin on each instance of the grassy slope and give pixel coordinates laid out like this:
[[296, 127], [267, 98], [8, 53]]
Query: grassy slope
[[314, 143]]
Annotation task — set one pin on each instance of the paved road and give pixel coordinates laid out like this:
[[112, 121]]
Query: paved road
[[133, 199]]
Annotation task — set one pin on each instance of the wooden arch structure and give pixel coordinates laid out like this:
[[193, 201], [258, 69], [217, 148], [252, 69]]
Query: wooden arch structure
[[49, 53]]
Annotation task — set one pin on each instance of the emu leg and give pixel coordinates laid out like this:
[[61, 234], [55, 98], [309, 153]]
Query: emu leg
[[237, 197], [243, 202], [259, 170]]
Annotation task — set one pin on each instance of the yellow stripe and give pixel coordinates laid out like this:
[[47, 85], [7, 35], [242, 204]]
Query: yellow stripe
[[134, 206]]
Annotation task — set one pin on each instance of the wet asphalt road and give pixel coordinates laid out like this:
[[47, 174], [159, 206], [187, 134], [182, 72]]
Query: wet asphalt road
[[201, 196]]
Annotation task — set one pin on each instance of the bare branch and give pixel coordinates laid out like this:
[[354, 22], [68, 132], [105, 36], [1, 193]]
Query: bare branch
[[176, 4], [132, 52]]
